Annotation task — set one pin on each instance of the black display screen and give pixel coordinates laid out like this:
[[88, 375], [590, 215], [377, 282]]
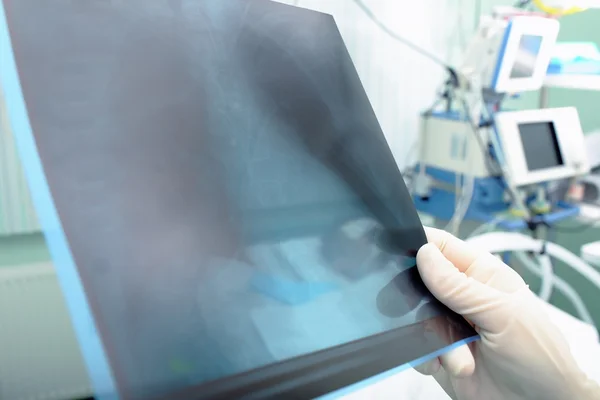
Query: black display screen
[[540, 145], [227, 194]]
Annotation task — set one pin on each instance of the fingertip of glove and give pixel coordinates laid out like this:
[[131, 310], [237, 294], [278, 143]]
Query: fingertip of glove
[[429, 368], [428, 253]]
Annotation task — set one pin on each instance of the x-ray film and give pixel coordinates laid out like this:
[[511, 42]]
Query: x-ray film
[[224, 213]]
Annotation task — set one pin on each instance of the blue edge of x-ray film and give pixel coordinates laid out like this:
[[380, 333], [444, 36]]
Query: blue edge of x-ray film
[[67, 274], [70, 282], [367, 382]]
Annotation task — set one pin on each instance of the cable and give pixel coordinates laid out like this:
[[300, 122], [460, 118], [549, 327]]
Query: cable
[[399, 38], [463, 204], [475, 130], [468, 182], [556, 11], [459, 186], [499, 242], [485, 228], [560, 285], [453, 80], [547, 276], [575, 262]]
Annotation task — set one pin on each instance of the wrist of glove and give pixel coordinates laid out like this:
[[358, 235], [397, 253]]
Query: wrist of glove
[[521, 354]]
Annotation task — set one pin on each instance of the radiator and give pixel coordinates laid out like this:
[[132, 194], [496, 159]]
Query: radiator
[[39, 354], [17, 215]]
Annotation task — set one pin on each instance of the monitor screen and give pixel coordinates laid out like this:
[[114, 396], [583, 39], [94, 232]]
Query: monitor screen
[[540, 145], [526, 57], [227, 195]]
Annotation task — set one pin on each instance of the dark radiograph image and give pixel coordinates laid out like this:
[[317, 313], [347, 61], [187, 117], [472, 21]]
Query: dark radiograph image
[[224, 186]]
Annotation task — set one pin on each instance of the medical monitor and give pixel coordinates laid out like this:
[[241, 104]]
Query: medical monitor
[[542, 145], [524, 54], [222, 208]]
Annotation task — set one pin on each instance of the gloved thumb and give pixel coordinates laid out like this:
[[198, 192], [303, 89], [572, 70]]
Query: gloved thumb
[[476, 301]]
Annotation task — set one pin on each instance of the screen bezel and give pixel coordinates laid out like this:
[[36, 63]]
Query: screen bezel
[[568, 134], [517, 28]]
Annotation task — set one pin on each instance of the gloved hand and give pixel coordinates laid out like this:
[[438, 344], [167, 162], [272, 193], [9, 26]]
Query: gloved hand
[[521, 354]]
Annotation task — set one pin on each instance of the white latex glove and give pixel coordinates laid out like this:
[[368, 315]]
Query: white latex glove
[[521, 354]]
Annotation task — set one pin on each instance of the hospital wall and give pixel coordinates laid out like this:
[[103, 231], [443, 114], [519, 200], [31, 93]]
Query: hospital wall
[[580, 27]]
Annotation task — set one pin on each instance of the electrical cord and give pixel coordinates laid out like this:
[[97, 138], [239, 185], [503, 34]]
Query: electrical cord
[[492, 165], [464, 201], [560, 285], [475, 130], [500, 242], [463, 205], [556, 11], [453, 81], [547, 275], [453, 77]]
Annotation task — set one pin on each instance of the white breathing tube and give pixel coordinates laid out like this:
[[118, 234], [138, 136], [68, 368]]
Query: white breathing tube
[[462, 206], [547, 276], [547, 273], [485, 228], [499, 242], [464, 201], [559, 284]]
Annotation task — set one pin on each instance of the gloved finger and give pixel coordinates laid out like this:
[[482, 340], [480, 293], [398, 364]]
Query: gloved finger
[[459, 362], [455, 250], [429, 368], [475, 263], [470, 298]]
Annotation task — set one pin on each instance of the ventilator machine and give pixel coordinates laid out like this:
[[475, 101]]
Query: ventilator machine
[[508, 170]]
